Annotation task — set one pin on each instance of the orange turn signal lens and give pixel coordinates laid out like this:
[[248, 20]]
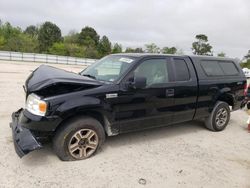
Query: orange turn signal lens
[[42, 107]]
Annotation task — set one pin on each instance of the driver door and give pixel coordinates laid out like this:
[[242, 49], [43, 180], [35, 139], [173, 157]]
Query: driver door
[[142, 108]]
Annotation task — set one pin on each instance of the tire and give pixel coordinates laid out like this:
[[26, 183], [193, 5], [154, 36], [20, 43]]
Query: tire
[[78, 138], [219, 117]]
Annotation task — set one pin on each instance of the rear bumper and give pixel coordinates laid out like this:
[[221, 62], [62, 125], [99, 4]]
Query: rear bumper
[[24, 140]]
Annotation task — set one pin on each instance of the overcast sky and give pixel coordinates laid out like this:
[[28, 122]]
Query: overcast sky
[[133, 23]]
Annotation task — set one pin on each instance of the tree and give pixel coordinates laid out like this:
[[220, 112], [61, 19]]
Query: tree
[[201, 46], [167, 50], [138, 50], [7, 31], [246, 60], [221, 54], [134, 50], [247, 56], [21, 43], [104, 46], [72, 37], [152, 48], [13, 39], [117, 48], [58, 48], [31, 30], [88, 37], [48, 34], [75, 50], [91, 52], [129, 50]]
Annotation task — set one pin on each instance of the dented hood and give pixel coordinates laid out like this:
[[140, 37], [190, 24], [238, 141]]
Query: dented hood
[[45, 76]]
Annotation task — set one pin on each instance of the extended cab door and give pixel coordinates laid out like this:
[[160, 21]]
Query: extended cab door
[[185, 90], [150, 106]]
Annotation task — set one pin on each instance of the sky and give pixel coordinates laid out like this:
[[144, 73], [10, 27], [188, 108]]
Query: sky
[[134, 23]]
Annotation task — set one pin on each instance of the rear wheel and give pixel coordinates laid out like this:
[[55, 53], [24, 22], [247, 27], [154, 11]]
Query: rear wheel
[[219, 118], [78, 139]]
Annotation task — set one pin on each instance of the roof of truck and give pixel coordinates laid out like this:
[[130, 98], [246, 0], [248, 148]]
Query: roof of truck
[[136, 55]]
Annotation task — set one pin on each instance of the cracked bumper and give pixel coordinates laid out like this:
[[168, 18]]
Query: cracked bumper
[[24, 140]]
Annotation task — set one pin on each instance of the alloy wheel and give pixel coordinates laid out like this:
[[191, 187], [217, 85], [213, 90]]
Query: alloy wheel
[[83, 144], [221, 117]]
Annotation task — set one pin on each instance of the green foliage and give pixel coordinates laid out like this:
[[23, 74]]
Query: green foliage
[[91, 52], [21, 43], [134, 50], [246, 64], [32, 31], [139, 50], [75, 50], [221, 54], [88, 37], [2, 42], [247, 56], [13, 39], [58, 48], [129, 50], [201, 46], [104, 46], [48, 34], [167, 50], [65, 49], [72, 38], [7, 31], [117, 48], [246, 61], [152, 48]]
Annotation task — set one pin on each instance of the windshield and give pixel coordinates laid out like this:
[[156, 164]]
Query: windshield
[[109, 68]]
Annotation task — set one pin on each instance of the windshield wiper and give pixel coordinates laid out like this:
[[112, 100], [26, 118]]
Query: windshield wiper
[[90, 76]]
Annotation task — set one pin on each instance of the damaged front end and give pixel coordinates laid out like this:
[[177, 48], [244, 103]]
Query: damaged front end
[[37, 121], [48, 81], [24, 140]]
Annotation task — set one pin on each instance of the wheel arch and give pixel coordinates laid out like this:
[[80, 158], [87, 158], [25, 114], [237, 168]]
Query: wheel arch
[[227, 97], [93, 113]]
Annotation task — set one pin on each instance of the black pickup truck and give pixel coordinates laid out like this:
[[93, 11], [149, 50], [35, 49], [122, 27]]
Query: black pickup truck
[[122, 93]]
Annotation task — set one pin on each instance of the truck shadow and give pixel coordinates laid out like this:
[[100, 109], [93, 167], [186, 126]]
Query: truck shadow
[[154, 134], [46, 154]]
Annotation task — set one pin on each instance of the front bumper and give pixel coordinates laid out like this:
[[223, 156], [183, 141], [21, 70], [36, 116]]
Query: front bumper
[[24, 140]]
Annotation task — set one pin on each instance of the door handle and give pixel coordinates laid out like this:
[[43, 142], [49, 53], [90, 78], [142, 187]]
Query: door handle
[[169, 92]]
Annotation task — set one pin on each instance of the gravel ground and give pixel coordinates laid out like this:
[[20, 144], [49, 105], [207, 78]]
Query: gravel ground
[[183, 155]]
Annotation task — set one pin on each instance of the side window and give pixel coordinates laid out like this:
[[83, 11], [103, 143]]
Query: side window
[[229, 68], [212, 68], [155, 71], [181, 70]]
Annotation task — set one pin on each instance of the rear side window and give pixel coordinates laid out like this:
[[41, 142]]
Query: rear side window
[[181, 70], [219, 68], [229, 68], [212, 68]]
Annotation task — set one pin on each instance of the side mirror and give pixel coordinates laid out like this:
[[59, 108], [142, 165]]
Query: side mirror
[[139, 82]]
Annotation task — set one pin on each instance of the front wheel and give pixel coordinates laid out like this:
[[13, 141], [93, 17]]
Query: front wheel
[[78, 139], [219, 118]]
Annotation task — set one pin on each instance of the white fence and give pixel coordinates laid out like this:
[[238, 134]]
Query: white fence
[[44, 58]]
